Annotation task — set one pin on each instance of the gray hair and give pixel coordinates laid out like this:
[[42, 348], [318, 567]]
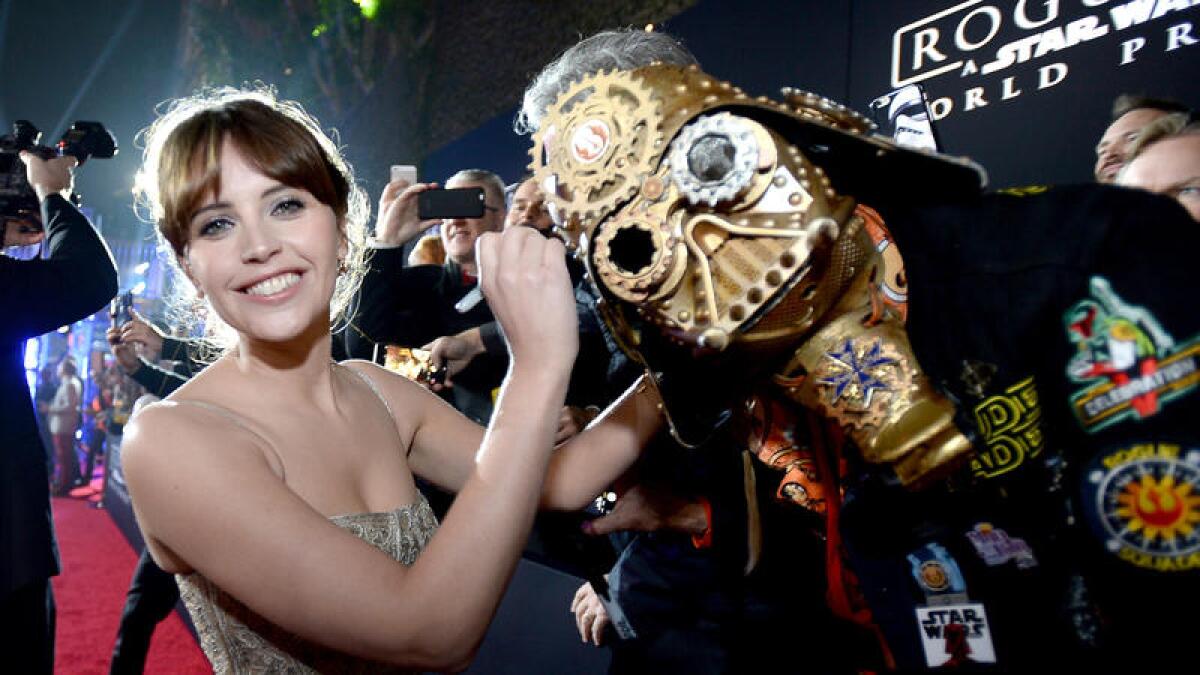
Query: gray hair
[[622, 49], [492, 184], [1167, 126]]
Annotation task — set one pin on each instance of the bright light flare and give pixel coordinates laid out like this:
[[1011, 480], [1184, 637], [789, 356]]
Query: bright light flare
[[369, 8]]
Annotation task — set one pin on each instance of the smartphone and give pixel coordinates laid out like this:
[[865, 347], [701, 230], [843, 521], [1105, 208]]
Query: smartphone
[[406, 172], [452, 203], [118, 309], [904, 115]]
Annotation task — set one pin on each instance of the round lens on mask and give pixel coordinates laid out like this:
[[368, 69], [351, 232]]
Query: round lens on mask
[[710, 159]]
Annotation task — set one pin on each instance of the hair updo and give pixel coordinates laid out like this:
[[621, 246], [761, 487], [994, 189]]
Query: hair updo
[[181, 167]]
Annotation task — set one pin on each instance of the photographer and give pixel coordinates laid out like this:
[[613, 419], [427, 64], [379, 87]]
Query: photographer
[[76, 278]]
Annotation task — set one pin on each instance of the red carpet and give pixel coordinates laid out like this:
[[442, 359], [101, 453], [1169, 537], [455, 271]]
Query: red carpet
[[97, 564]]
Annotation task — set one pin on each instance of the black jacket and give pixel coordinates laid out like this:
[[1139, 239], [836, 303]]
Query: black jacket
[[1044, 313], [412, 306], [76, 279]]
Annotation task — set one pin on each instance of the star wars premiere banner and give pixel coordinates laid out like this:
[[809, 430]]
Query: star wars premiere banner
[[1025, 86]]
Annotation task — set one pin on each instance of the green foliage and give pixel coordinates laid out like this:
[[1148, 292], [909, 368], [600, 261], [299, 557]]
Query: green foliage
[[329, 54]]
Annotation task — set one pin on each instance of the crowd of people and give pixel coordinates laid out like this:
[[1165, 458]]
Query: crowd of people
[[378, 519]]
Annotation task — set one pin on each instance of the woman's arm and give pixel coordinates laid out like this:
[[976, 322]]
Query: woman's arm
[[445, 444], [209, 498], [202, 493]]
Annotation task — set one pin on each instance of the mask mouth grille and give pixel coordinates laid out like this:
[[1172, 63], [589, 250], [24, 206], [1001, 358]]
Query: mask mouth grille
[[634, 258]]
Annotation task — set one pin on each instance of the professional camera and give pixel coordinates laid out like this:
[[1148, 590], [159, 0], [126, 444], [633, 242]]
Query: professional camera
[[18, 201]]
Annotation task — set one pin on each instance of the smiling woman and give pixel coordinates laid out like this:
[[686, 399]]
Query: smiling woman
[[277, 140], [303, 469]]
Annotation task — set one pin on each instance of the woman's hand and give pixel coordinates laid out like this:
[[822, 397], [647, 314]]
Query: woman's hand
[[398, 219], [524, 278]]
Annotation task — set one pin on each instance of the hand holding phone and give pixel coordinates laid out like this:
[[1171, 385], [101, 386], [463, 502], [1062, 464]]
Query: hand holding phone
[[399, 221], [404, 172], [119, 309]]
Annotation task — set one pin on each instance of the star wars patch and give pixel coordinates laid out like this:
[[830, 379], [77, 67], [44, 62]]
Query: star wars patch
[[1129, 365], [995, 547], [1141, 500], [937, 575], [955, 635], [1010, 425]]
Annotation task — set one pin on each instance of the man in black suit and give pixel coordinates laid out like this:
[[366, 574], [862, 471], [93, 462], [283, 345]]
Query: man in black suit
[[75, 279]]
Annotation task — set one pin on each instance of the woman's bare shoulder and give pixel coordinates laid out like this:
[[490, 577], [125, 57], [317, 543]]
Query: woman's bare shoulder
[[389, 384], [186, 426]]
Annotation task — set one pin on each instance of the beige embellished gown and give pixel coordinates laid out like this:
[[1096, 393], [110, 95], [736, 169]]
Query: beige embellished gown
[[237, 641]]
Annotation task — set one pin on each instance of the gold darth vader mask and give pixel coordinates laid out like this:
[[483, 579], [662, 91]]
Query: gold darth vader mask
[[713, 216], [731, 227]]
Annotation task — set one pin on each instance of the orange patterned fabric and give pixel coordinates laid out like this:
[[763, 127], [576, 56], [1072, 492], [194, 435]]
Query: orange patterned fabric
[[772, 427], [812, 474], [889, 288]]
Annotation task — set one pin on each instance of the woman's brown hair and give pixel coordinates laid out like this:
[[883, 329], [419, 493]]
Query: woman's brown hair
[[181, 167]]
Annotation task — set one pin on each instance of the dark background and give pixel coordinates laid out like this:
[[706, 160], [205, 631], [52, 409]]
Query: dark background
[[113, 61], [843, 50]]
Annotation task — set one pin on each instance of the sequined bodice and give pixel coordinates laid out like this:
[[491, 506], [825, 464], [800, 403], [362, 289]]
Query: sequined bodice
[[237, 641]]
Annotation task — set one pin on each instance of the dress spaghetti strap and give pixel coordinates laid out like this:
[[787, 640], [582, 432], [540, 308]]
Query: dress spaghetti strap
[[240, 422], [379, 395]]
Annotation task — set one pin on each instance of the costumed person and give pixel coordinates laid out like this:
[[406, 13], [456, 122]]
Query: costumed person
[[702, 544], [306, 467], [984, 497]]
